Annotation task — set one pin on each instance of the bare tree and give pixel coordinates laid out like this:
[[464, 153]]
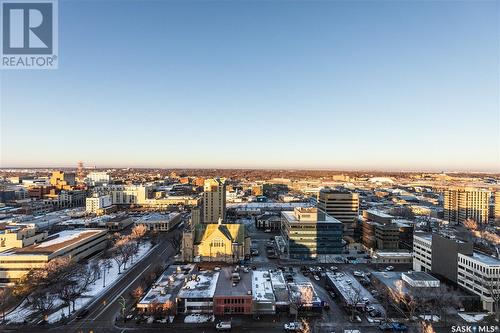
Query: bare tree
[[406, 298], [494, 290], [471, 224], [43, 300], [354, 297], [306, 328], [5, 297]]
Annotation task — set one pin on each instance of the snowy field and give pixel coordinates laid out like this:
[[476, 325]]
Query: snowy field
[[22, 312]]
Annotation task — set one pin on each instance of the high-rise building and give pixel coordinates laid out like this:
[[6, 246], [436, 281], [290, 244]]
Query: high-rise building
[[214, 200], [341, 204], [98, 178], [96, 204], [309, 233], [496, 209], [462, 203]]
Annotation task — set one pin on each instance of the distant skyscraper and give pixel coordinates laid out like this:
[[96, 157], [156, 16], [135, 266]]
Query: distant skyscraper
[[341, 204], [214, 200], [462, 203]]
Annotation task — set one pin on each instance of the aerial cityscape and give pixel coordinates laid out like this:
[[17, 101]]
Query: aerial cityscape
[[249, 166]]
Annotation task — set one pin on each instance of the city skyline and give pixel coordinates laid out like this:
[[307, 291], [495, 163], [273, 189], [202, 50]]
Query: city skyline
[[382, 86]]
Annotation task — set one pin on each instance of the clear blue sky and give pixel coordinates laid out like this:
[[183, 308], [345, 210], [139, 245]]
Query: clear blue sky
[[394, 85]]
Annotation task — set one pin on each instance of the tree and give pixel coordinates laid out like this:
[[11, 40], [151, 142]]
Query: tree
[[306, 328], [410, 300], [494, 290], [354, 296], [470, 224], [137, 293], [5, 297], [43, 300]]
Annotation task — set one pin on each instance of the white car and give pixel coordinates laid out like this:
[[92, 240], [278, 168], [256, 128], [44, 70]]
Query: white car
[[358, 274], [333, 268], [389, 268], [293, 327], [316, 277]]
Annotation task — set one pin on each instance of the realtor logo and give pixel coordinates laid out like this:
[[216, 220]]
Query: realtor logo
[[29, 34]]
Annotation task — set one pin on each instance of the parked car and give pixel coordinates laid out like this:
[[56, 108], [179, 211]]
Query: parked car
[[293, 327], [333, 268], [389, 268], [356, 319], [374, 320], [385, 327], [223, 326], [82, 314], [399, 327], [358, 274]]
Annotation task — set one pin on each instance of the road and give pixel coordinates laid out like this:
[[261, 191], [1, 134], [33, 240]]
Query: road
[[104, 309]]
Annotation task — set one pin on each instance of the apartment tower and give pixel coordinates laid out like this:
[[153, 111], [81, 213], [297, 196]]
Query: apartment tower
[[214, 200], [462, 203], [341, 204]]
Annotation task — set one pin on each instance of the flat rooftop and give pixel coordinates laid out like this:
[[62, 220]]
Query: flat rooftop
[[378, 213], [486, 259], [322, 218], [420, 276], [157, 217], [298, 292], [262, 290], [58, 241], [225, 283], [280, 288], [167, 286], [424, 235], [200, 285]]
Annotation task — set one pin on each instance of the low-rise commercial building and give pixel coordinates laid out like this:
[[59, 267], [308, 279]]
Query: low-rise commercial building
[[19, 236], [264, 301], [74, 244], [159, 221], [163, 293], [197, 294], [233, 293], [119, 222]]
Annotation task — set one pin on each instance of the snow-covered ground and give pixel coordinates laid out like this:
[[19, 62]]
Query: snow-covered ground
[[23, 311], [198, 318]]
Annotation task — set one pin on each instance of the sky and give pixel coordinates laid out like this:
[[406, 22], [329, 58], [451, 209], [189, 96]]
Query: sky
[[341, 85]]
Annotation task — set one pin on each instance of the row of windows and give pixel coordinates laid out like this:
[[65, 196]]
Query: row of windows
[[234, 301], [236, 309]]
